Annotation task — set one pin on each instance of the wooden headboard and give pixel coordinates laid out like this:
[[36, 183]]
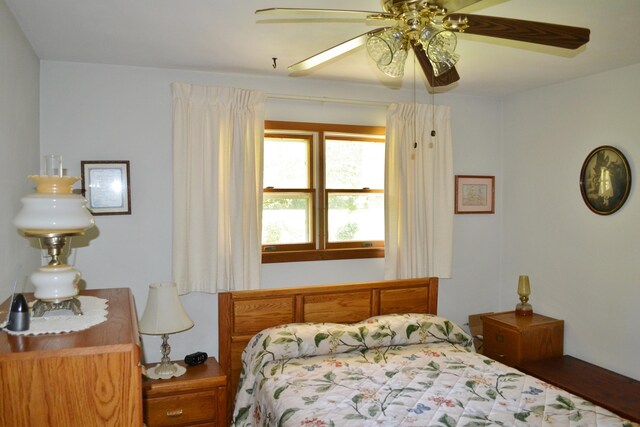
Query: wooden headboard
[[242, 314]]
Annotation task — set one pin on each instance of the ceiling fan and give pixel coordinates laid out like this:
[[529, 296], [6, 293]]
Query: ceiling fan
[[428, 28]]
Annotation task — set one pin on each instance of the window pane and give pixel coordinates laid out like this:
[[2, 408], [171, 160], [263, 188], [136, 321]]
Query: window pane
[[286, 163], [356, 217], [286, 218], [354, 164]]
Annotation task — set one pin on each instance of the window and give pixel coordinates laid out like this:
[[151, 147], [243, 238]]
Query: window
[[323, 192]]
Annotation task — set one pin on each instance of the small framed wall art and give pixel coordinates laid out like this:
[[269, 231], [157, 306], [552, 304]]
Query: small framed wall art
[[605, 180], [475, 194], [105, 185]]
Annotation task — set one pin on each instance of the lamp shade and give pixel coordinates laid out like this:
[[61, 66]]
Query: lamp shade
[[54, 208], [164, 313], [524, 289]]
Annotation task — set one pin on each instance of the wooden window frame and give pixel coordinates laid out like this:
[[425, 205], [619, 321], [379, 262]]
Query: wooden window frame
[[320, 249], [309, 190]]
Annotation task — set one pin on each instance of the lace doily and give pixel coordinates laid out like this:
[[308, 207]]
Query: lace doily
[[94, 312]]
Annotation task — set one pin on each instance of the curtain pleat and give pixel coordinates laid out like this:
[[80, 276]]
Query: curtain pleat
[[217, 187], [419, 191]]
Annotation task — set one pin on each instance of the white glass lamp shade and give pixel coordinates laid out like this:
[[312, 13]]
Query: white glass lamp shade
[[54, 209], [49, 213], [164, 313]]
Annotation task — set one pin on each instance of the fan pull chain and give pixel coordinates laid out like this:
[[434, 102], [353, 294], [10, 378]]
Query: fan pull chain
[[433, 113], [415, 107]]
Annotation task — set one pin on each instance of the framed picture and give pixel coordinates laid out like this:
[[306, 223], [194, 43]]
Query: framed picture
[[475, 194], [605, 180], [105, 185]]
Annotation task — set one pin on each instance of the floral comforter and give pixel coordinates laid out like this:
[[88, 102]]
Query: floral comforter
[[394, 370]]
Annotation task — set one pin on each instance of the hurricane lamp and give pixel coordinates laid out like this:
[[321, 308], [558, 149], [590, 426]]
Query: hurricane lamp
[[53, 215]]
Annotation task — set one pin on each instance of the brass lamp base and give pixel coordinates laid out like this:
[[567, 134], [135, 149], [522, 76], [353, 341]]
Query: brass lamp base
[[40, 307]]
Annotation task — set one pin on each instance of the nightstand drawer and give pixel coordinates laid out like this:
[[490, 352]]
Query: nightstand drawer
[[501, 344], [181, 409]]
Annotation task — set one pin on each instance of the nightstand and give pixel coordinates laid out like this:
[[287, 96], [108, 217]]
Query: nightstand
[[197, 398], [513, 339]]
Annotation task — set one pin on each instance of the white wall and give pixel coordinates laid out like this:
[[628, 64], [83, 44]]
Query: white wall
[[103, 112], [19, 145], [584, 268]]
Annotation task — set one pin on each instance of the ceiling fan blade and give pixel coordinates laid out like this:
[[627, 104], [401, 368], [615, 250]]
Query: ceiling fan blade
[[335, 51], [445, 79], [526, 31], [297, 11]]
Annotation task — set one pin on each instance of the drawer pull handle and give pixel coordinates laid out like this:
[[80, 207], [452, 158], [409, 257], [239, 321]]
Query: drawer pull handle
[[174, 413], [500, 356]]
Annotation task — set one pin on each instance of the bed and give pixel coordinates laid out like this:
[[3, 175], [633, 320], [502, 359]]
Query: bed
[[372, 354]]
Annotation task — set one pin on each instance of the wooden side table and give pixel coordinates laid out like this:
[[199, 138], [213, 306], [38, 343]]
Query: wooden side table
[[513, 339], [197, 398]]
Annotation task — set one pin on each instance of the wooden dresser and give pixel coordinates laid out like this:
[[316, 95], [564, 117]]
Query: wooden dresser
[[513, 339], [84, 378]]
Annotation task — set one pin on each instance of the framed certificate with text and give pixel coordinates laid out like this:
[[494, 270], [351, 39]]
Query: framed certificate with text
[[105, 185]]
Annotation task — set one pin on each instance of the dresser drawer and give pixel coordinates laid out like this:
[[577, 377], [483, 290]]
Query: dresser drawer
[[182, 409], [501, 344]]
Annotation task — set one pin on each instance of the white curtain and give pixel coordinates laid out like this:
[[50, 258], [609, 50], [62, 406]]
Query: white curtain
[[419, 193], [217, 187]]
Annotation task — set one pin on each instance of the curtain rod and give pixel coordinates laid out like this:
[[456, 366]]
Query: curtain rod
[[326, 99]]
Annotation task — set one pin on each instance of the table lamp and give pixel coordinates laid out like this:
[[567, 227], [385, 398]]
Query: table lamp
[[53, 214], [523, 308], [164, 315]]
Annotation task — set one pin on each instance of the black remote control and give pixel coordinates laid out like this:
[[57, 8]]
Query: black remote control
[[197, 358]]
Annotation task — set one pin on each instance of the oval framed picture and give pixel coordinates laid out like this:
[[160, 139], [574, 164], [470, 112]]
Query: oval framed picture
[[605, 180]]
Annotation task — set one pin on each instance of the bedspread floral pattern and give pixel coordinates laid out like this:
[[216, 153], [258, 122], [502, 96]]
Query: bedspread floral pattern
[[393, 370]]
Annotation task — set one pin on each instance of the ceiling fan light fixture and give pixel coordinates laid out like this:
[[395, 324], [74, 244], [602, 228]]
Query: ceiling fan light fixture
[[389, 50], [383, 47], [379, 50], [439, 44], [396, 67], [442, 67]]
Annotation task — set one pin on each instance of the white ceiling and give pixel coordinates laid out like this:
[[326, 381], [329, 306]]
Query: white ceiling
[[226, 36]]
